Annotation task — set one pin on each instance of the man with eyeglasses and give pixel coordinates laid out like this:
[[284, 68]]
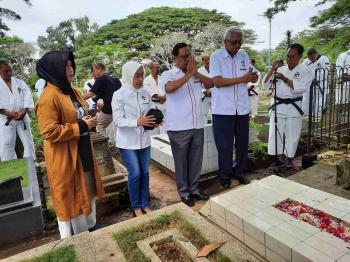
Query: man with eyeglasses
[[184, 122], [231, 70]]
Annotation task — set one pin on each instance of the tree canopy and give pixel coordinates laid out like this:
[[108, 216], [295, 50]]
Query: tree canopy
[[9, 14], [137, 31]]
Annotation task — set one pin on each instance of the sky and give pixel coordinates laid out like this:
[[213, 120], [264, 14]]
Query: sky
[[46, 13]]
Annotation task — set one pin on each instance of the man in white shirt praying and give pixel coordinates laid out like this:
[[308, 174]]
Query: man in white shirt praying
[[151, 84], [231, 71], [293, 80], [15, 103], [183, 87]]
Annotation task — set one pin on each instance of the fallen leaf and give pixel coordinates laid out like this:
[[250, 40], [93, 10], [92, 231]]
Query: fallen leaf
[[207, 249]]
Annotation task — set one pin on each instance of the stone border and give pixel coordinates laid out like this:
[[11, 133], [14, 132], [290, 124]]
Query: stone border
[[175, 235], [101, 246]]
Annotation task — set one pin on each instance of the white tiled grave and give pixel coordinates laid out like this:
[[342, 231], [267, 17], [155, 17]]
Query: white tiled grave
[[248, 213], [161, 150]]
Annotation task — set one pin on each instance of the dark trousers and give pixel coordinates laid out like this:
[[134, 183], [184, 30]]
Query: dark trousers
[[187, 149], [229, 129]]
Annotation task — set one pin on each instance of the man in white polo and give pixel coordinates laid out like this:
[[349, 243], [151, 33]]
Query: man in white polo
[[184, 122], [231, 71]]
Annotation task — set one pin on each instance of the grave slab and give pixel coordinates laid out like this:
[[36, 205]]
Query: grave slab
[[253, 219]]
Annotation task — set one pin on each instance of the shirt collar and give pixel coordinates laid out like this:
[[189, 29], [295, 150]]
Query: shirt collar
[[177, 70]]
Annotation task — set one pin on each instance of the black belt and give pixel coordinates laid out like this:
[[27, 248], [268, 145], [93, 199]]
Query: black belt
[[287, 101], [9, 121]]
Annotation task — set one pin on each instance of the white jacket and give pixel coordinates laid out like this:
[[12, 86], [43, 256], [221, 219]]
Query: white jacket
[[19, 98], [127, 105]]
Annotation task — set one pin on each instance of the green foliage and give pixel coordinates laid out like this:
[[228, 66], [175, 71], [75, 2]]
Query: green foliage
[[62, 254], [112, 55], [5, 42], [68, 35], [137, 31], [14, 168]]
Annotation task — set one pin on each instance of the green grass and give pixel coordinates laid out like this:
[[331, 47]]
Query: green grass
[[62, 254], [128, 238], [13, 168]]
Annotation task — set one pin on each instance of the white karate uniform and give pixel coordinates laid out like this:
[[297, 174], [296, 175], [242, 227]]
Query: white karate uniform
[[321, 63], [253, 98], [14, 101], [152, 86], [206, 101], [87, 88], [288, 118], [39, 86], [343, 61]]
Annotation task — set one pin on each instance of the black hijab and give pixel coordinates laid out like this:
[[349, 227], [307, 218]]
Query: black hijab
[[52, 68]]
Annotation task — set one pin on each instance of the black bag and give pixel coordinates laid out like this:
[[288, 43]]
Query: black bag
[[157, 114]]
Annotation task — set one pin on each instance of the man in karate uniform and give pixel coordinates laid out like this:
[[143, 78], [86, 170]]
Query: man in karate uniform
[[151, 84], [252, 92], [343, 68], [315, 61], [15, 102], [293, 80], [206, 96]]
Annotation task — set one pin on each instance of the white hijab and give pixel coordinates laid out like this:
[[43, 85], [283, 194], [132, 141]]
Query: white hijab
[[128, 72]]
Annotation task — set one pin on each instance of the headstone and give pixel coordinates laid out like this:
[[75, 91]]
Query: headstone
[[102, 154], [22, 219]]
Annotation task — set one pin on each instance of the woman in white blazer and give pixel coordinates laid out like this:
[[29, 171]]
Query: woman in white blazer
[[130, 104]]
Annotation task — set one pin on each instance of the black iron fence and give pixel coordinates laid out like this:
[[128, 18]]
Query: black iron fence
[[329, 109]]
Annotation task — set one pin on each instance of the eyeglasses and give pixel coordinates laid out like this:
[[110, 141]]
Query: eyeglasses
[[235, 42]]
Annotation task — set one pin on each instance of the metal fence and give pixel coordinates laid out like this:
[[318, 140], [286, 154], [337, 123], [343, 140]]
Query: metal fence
[[329, 109]]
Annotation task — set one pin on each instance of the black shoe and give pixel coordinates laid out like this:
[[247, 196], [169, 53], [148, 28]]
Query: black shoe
[[226, 184], [243, 179], [200, 196], [188, 201], [95, 227]]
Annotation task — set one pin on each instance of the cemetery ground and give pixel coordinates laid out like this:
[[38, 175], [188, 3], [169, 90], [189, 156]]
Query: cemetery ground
[[322, 176]]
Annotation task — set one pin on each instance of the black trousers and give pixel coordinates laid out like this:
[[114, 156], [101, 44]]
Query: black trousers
[[229, 130]]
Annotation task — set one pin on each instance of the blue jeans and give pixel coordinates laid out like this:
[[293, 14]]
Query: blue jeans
[[137, 163]]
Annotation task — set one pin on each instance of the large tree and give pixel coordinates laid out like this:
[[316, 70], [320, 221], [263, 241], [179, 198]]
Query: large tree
[[68, 35], [138, 31], [9, 14]]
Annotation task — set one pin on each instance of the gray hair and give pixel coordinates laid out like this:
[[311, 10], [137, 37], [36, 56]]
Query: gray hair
[[4, 62], [232, 30]]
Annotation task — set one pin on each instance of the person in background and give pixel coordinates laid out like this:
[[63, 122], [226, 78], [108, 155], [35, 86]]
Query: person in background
[[183, 87], [292, 80], [15, 103], [231, 71], [39, 86], [206, 97], [73, 174], [313, 62], [103, 88], [252, 92], [130, 105], [151, 84], [343, 59]]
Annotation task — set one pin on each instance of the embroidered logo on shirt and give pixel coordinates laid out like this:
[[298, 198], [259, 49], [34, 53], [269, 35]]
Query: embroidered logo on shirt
[[20, 90], [242, 63], [297, 74]]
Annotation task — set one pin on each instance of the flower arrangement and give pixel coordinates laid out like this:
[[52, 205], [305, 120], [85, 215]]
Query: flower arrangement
[[317, 218]]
